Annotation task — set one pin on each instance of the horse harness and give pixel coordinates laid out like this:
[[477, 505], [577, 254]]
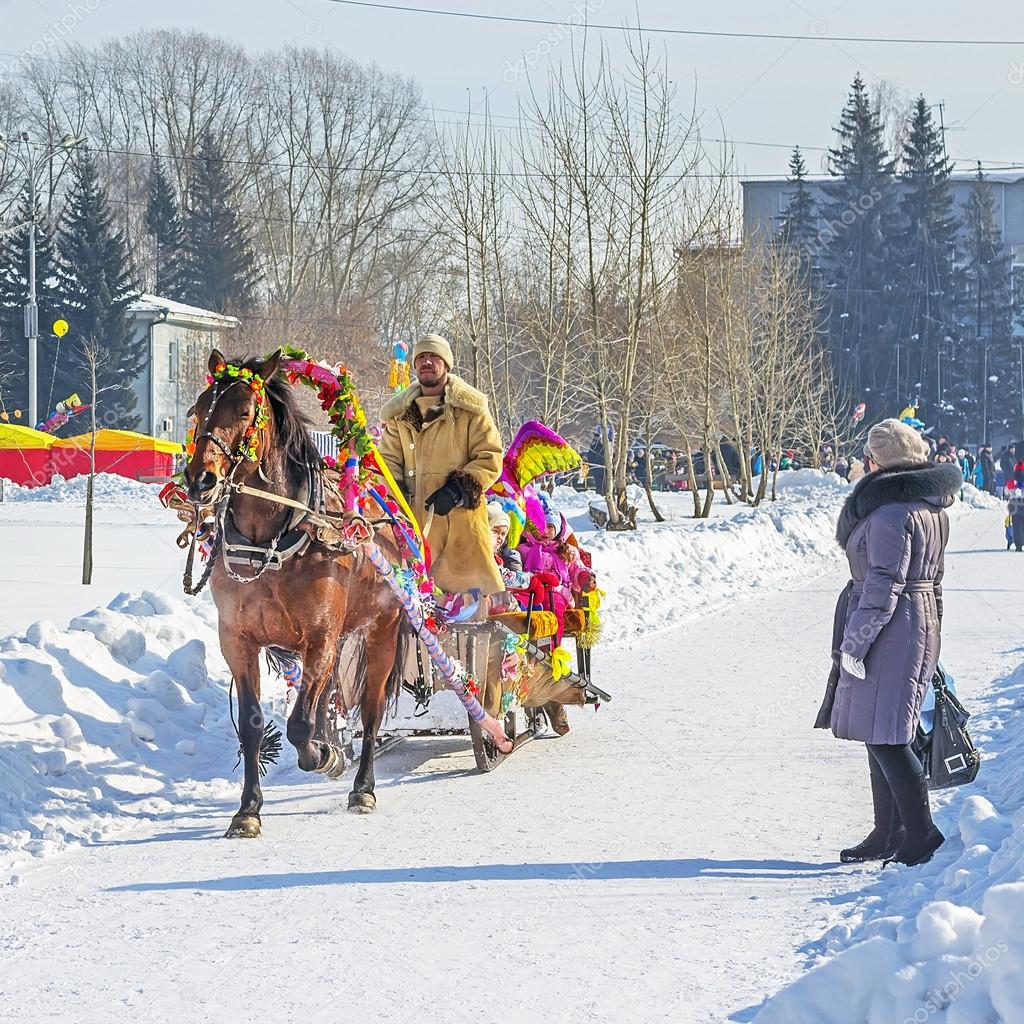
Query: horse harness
[[342, 533]]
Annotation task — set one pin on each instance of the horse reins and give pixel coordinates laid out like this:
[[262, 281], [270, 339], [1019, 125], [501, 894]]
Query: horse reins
[[234, 460]]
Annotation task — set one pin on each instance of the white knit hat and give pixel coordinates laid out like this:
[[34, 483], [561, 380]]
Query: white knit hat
[[437, 345], [892, 443], [497, 516]]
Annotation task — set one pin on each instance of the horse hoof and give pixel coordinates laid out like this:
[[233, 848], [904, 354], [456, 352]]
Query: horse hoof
[[335, 763], [362, 803], [243, 826]]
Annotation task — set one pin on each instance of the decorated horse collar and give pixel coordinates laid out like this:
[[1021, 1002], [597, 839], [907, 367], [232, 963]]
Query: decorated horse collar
[[248, 447]]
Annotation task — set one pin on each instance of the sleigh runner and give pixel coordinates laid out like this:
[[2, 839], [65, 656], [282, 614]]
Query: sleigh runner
[[309, 558]]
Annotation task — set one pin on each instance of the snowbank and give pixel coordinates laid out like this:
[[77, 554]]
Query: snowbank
[[109, 489], [116, 717], [943, 942]]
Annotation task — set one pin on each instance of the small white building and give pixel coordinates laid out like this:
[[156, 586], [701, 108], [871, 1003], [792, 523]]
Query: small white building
[[179, 339]]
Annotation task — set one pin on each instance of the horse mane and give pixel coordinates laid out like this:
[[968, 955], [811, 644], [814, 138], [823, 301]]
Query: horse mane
[[291, 424]]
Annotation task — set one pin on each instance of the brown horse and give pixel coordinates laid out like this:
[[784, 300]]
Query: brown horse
[[309, 604]]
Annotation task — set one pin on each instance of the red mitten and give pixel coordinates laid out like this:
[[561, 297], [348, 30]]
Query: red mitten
[[549, 579], [538, 589]]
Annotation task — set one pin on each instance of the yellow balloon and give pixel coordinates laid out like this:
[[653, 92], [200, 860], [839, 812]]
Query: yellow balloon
[[61, 327]]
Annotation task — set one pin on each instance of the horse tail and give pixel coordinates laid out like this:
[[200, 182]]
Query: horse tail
[[351, 668], [397, 675]]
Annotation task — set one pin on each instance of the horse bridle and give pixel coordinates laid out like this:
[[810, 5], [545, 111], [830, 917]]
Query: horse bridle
[[234, 459]]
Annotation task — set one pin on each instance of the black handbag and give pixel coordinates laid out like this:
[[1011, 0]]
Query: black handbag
[[947, 752]]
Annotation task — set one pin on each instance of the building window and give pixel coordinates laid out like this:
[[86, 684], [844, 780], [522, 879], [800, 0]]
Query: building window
[[172, 361]]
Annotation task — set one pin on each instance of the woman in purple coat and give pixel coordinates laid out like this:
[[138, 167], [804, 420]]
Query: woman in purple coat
[[885, 641]]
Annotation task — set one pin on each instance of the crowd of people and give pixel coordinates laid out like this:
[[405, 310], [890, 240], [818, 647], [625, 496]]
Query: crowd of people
[[978, 466]]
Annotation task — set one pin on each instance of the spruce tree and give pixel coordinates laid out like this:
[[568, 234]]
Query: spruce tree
[[923, 287], [989, 362], [220, 266], [164, 225], [55, 378], [858, 208], [98, 285], [798, 225]]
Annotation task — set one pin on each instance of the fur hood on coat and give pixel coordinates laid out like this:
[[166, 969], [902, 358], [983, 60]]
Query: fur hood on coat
[[457, 395], [921, 482]]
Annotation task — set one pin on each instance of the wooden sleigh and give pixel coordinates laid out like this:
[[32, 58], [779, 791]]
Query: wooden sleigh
[[481, 648]]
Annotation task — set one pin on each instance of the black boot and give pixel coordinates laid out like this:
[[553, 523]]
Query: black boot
[[885, 838], [918, 847], [909, 787]]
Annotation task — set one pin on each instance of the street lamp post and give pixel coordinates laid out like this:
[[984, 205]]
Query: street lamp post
[[31, 162]]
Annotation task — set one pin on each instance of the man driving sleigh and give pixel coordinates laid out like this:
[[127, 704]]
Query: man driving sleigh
[[443, 449]]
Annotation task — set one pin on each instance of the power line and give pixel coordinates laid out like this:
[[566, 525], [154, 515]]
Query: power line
[[704, 33], [257, 162], [254, 162]]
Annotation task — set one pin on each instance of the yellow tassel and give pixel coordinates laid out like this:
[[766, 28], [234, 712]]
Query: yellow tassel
[[590, 635], [560, 662], [398, 375]]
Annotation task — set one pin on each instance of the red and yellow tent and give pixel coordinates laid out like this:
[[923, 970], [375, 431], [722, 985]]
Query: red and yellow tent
[[117, 451], [25, 455]]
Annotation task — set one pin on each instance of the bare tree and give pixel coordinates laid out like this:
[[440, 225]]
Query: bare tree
[[93, 355]]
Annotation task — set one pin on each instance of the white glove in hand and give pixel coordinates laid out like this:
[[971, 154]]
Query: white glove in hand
[[853, 666]]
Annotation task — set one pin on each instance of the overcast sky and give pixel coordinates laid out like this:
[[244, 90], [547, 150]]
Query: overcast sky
[[757, 90]]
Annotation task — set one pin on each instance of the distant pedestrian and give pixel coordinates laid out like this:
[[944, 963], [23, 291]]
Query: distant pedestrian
[[1005, 462], [987, 468], [597, 459], [1017, 476], [885, 640], [964, 463], [1015, 517]]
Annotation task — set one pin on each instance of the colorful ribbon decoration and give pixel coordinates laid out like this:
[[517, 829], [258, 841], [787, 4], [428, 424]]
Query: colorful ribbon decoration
[[452, 673]]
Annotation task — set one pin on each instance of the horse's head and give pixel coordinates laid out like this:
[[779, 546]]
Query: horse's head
[[232, 416]]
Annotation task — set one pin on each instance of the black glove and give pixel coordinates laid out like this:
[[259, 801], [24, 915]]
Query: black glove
[[445, 498]]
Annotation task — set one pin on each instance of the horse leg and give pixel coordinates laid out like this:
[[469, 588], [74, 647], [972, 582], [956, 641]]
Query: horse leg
[[381, 651], [314, 755], [243, 660]]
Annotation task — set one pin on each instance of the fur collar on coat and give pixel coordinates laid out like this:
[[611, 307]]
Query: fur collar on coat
[[938, 482], [457, 395]]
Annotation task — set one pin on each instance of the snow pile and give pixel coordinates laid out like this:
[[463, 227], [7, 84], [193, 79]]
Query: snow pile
[[943, 942], [973, 498], [115, 716], [109, 489]]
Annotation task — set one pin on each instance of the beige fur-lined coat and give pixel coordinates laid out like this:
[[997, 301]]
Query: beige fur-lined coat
[[422, 451]]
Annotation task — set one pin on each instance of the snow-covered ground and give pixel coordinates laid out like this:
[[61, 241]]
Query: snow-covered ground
[[673, 858]]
